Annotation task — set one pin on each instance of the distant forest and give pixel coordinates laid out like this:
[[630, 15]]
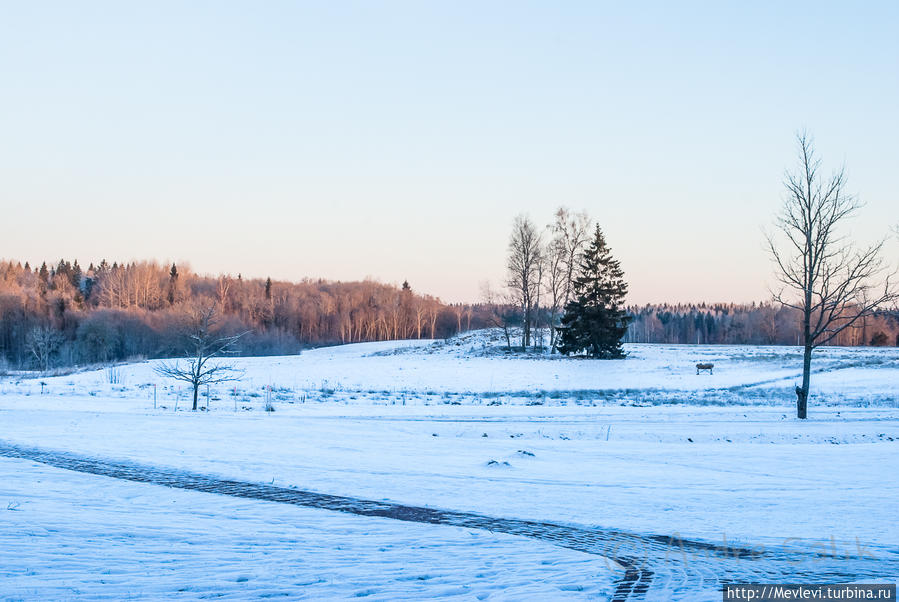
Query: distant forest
[[754, 324], [67, 315]]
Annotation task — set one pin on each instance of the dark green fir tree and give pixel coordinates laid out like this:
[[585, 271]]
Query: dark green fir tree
[[595, 321], [172, 288], [43, 279], [75, 275]]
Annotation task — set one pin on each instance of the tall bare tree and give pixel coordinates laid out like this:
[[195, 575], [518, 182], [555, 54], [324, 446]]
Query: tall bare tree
[[574, 231], [204, 343], [524, 271], [828, 279], [569, 233], [556, 283]]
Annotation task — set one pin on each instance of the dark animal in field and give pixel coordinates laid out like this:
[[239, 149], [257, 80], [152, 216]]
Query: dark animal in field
[[707, 367]]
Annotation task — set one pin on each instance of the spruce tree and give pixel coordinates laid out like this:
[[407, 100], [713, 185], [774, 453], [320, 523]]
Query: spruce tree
[[43, 278], [595, 320], [75, 275], [172, 293]]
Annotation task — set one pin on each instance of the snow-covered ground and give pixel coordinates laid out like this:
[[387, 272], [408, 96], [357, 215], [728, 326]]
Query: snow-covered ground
[[71, 536], [642, 445], [475, 369]]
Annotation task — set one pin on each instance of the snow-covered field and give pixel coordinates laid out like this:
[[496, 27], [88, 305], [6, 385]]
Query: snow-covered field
[[475, 369], [643, 445], [68, 535]]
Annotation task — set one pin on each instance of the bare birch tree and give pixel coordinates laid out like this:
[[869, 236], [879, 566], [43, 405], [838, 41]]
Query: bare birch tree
[[556, 283], [204, 343], [829, 280], [569, 235], [222, 291], [524, 270]]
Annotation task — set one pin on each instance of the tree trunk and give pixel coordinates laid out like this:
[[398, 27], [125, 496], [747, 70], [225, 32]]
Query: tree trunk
[[526, 341], [802, 392], [552, 333], [196, 393]]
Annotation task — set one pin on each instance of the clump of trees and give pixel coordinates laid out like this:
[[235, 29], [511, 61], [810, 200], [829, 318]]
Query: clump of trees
[[562, 282], [540, 268], [65, 314]]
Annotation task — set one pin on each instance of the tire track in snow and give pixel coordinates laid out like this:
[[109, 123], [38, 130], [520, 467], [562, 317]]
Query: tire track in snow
[[650, 566], [798, 376]]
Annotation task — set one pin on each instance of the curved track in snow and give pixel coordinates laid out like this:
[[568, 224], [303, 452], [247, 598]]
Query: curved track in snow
[[649, 566]]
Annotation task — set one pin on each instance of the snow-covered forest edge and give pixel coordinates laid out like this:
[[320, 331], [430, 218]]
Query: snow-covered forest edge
[[66, 316]]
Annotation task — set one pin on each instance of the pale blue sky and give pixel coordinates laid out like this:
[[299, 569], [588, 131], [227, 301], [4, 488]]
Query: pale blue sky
[[399, 139]]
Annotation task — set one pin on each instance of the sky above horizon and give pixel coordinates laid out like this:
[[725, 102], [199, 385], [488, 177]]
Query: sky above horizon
[[398, 140]]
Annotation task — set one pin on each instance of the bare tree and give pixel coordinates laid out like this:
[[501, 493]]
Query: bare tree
[[524, 271], [574, 230], [556, 284], [537, 313], [458, 311], [222, 291], [42, 343], [569, 235], [500, 315], [204, 343], [433, 312], [823, 275]]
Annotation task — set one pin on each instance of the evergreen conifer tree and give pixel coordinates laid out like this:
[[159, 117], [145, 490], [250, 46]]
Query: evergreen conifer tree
[[595, 321], [43, 276], [171, 294], [75, 275]]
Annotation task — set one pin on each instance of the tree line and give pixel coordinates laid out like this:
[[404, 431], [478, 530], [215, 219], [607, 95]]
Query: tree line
[[747, 324], [67, 314]]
